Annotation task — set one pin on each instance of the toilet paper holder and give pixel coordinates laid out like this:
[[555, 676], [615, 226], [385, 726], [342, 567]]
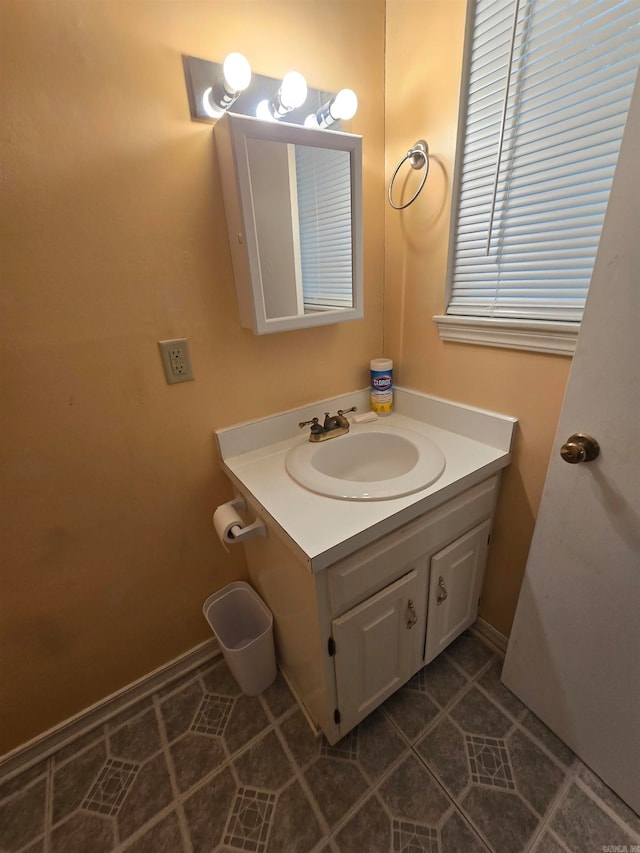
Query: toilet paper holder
[[231, 528]]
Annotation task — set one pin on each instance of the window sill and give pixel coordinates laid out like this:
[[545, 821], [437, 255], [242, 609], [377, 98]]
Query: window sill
[[533, 335]]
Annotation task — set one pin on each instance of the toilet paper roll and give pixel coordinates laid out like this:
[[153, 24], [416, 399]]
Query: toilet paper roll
[[225, 519]]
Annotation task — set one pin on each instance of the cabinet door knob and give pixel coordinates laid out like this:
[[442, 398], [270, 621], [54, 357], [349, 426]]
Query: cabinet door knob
[[443, 591], [412, 618]]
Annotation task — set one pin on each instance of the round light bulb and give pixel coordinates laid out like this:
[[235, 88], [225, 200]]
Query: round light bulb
[[237, 72], [293, 91], [263, 112], [345, 104], [311, 121]]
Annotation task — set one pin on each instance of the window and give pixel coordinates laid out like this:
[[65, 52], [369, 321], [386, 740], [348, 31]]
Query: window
[[547, 94]]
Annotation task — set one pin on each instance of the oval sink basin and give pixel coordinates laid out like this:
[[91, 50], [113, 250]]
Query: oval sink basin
[[373, 462]]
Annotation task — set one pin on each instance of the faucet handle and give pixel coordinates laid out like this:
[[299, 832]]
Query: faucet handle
[[346, 411], [313, 422]]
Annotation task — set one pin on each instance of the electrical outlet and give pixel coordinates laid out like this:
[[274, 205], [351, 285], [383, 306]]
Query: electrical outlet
[[176, 361]]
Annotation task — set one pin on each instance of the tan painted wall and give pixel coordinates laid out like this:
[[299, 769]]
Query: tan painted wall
[[112, 238], [423, 61]]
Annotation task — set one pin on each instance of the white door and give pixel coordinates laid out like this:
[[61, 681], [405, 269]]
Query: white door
[[454, 588], [574, 651], [376, 646]]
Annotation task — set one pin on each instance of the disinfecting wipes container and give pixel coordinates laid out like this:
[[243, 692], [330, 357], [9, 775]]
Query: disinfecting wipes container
[[381, 385]]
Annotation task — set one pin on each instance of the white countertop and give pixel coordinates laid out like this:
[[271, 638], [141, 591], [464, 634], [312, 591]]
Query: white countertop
[[321, 530]]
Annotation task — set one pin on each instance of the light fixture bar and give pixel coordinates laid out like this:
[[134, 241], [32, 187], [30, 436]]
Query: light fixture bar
[[201, 75]]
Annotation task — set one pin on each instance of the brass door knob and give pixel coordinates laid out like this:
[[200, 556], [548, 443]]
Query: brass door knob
[[579, 448]]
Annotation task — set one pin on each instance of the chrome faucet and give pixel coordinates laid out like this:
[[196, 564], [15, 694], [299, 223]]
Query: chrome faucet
[[332, 427]]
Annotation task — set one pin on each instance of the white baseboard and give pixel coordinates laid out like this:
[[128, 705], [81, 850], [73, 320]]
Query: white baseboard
[[48, 742], [491, 635]]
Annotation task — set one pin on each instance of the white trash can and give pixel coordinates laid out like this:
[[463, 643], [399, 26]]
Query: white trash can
[[243, 626]]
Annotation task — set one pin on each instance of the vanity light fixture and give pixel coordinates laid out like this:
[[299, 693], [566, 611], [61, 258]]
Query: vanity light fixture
[[291, 95], [217, 88], [341, 106], [235, 78]]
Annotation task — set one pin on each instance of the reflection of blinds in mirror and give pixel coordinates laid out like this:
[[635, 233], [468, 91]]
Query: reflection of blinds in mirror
[[323, 178]]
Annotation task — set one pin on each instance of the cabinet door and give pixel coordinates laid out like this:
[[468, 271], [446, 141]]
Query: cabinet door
[[375, 647], [454, 588]]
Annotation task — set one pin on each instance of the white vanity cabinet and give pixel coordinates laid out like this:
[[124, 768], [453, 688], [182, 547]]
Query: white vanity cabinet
[[350, 635]]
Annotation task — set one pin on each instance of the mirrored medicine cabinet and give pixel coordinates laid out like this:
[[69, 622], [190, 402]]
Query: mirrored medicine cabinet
[[293, 203]]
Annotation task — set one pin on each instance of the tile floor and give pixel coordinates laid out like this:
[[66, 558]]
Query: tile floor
[[452, 762]]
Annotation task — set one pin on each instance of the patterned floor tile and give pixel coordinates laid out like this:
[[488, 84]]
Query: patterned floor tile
[[489, 762], [207, 809], [502, 817], [138, 739], [579, 820], [249, 820], [179, 709], [546, 843], [81, 832], [278, 697], [440, 679], [484, 773], [212, 714], [148, 795], [538, 779], [111, 787], [247, 719], [264, 765], [300, 739], [295, 827], [163, 837], [444, 752], [195, 756], [469, 653], [379, 745], [20, 781], [72, 781], [369, 828], [337, 785], [456, 836], [407, 835], [547, 737], [411, 794], [475, 714], [35, 847], [589, 778], [22, 816], [412, 711], [490, 681], [218, 679]]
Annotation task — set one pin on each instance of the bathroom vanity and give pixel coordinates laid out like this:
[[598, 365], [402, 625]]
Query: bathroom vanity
[[364, 593]]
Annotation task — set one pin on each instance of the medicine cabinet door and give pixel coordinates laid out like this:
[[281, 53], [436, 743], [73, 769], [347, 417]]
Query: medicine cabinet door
[[293, 203]]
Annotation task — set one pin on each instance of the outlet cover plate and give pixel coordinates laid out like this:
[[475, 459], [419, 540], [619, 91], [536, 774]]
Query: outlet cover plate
[[176, 360]]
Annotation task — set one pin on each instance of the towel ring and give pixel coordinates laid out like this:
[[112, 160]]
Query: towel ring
[[418, 156]]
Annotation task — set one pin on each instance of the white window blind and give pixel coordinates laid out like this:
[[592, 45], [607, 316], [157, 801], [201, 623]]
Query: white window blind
[[548, 93], [323, 179]]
